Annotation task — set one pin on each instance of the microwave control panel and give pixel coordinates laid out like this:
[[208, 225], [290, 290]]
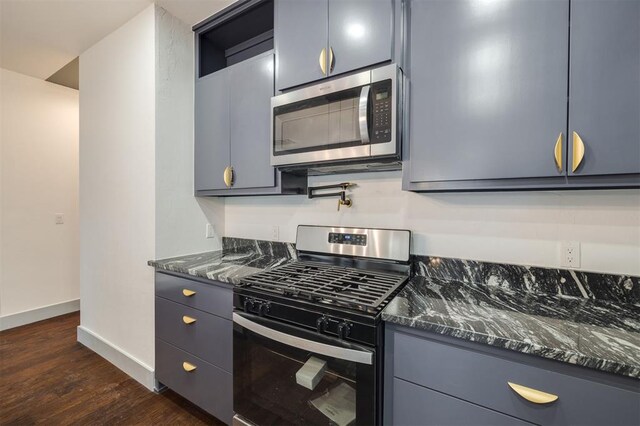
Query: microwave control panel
[[381, 110], [348, 239]]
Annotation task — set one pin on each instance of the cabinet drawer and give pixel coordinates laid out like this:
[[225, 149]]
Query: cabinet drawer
[[206, 297], [207, 386], [206, 336], [482, 379], [415, 405]]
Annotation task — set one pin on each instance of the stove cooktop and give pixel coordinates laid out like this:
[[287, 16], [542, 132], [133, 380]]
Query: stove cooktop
[[353, 288]]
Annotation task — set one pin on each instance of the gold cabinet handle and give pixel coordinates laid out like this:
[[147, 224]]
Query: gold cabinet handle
[[323, 61], [578, 151], [332, 62], [228, 176], [188, 320], [557, 152], [188, 367], [532, 395], [187, 292]]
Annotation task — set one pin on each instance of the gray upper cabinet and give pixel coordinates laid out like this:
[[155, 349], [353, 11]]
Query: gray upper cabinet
[[316, 39], [488, 85], [234, 83], [360, 33], [211, 131], [251, 83], [604, 101], [300, 36]]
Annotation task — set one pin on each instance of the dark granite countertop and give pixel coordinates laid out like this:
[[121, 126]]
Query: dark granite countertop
[[527, 310], [237, 259]]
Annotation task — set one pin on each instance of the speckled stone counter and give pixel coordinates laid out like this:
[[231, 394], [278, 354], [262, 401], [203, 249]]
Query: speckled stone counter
[[587, 319], [237, 259]]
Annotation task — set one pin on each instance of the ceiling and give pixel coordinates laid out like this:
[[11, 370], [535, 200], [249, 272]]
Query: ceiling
[[38, 37]]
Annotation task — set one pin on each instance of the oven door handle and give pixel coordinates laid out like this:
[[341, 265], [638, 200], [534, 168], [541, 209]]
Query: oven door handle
[[360, 357], [363, 109]]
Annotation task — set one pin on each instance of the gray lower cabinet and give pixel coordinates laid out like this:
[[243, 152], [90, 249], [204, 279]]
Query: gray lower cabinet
[[444, 380], [416, 405], [206, 385], [316, 39], [194, 341], [604, 98]]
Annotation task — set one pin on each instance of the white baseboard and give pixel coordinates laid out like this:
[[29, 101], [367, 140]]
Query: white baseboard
[[135, 368], [38, 314]]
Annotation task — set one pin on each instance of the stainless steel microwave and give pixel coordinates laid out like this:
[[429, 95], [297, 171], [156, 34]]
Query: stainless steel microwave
[[349, 120]]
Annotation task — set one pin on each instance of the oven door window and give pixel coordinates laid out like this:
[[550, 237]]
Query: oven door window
[[325, 122], [278, 379]]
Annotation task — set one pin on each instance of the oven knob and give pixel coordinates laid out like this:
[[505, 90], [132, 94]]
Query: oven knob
[[248, 305], [343, 330], [322, 324], [264, 308]]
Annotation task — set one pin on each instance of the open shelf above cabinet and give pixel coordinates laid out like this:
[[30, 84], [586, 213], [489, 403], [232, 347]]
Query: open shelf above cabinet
[[234, 37]]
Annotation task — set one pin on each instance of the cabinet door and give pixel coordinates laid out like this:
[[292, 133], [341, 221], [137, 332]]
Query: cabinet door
[[604, 98], [488, 88], [415, 405], [360, 33], [300, 31], [251, 86], [211, 130]]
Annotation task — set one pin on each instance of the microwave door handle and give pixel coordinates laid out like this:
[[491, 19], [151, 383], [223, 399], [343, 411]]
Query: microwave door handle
[[346, 354], [363, 108]]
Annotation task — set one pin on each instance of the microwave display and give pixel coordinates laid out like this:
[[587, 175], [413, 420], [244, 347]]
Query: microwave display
[[381, 111]]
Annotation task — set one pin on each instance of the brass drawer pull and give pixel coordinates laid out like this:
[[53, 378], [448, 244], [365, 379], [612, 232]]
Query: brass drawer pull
[[188, 367], [532, 395], [228, 176], [188, 320], [332, 61], [578, 151], [557, 152], [322, 59], [187, 292]]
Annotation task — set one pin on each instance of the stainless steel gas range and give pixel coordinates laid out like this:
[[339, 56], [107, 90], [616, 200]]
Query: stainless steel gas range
[[307, 337]]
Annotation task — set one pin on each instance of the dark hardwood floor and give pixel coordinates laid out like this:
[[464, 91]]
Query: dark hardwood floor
[[46, 377]]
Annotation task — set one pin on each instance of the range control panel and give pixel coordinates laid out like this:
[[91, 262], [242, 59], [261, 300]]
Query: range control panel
[[381, 112], [349, 239]]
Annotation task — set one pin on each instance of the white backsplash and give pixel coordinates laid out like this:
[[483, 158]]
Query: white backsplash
[[510, 227]]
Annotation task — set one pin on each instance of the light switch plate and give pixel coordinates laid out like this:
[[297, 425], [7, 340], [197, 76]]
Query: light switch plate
[[210, 231]]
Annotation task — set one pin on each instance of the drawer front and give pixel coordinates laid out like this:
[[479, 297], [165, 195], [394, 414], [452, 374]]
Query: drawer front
[[415, 405], [482, 379], [207, 386], [206, 336], [206, 297]]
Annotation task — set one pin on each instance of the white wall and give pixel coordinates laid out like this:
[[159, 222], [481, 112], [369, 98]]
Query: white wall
[[117, 187], [136, 184], [38, 179], [510, 227], [180, 217]]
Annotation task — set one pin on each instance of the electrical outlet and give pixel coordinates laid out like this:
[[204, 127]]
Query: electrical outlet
[[59, 219], [210, 231], [570, 254], [275, 233]]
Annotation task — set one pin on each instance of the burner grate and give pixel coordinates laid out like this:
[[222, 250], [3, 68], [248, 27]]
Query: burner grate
[[350, 287]]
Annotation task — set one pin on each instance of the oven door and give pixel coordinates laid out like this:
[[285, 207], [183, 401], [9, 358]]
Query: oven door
[[286, 375]]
